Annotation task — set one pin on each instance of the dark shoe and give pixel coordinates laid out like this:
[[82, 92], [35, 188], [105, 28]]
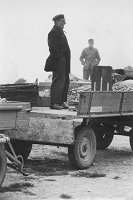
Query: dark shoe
[[56, 106], [64, 105]]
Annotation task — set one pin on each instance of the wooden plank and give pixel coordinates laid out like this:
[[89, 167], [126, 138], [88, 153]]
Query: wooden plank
[[102, 78], [13, 123], [45, 130], [8, 124], [7, 115], [106, 78], [127, 114], [25, 105], [15, 104], [127, 104], [108, 102], [97, 115], [96, 78], [46, 112], [84, 103], [10, 108], [101, 102]]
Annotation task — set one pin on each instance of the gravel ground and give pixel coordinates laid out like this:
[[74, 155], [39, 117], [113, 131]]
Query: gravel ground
[[52, 177]]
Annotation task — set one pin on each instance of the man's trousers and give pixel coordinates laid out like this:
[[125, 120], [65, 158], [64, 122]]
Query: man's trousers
[[87, 72], [60, 83]]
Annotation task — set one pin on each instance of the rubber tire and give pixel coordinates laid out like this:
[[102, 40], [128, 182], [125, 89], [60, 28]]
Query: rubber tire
[[131, 140], [20, 147], [3, 164], [75, 159], [104, 136]]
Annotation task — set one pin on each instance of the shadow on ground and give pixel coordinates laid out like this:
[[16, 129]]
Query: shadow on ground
[[48, 167], [56, 163]]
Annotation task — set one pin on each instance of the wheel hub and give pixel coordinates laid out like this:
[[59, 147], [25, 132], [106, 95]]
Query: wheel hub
[[84, 148]]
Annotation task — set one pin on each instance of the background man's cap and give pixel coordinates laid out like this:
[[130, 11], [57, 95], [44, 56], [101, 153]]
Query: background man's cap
[[58, 17]]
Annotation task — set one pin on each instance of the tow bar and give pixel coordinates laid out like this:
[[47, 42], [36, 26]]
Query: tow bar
[[16, 162]]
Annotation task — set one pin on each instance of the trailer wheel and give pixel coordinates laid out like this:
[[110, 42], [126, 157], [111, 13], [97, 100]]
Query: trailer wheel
[[20, 147], [3, 164], [82, 153], [131, 140], [104, 136]]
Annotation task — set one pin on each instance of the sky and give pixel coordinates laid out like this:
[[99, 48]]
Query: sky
[[24, 26]]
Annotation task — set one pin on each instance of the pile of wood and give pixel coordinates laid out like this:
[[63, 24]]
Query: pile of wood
[[74, 94]]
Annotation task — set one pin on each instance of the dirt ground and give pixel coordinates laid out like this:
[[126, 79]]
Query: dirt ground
[[52, 177]]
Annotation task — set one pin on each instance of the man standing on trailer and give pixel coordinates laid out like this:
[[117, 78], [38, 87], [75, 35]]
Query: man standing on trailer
[[59, 63], [89, 57]]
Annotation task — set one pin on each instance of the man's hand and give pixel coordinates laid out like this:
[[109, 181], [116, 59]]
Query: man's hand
[[96, 63]]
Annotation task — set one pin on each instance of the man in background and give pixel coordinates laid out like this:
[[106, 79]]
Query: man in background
[[59, 63], [89, 57]]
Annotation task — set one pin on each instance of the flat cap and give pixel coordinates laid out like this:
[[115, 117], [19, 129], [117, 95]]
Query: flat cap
[[58, 17]]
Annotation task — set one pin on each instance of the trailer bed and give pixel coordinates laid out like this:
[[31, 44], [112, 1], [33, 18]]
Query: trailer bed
[[105, 104], [46, 112]]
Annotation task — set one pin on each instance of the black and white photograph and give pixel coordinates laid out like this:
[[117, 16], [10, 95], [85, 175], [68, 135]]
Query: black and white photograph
[[66, 99]]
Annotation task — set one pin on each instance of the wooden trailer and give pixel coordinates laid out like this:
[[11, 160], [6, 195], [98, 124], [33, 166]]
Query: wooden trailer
[[99, 116]]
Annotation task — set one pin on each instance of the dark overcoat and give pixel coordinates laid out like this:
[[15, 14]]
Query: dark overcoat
[[58, 47]]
